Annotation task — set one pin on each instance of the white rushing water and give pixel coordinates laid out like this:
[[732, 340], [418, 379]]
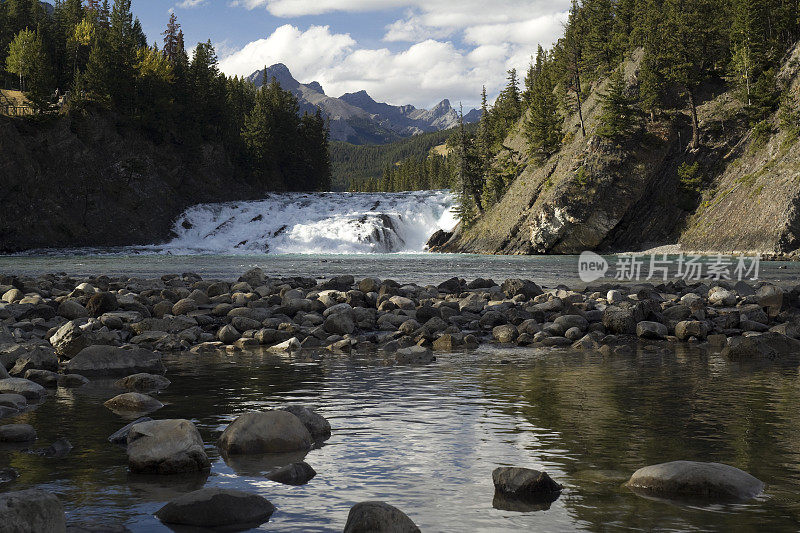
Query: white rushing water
[[343, 223]]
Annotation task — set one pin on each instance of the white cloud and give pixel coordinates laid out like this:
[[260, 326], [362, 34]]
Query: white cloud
[[454, 47], [188, 4]]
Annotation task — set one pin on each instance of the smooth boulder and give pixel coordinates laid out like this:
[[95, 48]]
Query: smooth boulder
[[32, 510], [213, 507], [166, 447], [378, 517], [113, 361], [265, 432], [708, 481], [133, 402]]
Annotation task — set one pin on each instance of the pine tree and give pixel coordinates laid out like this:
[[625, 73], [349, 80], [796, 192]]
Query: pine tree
[[596, 31], [689, 46], [569, 56], [543, 126], [171, 43], [618, 113]]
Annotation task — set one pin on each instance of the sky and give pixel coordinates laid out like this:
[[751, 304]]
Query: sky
[[400, 51]]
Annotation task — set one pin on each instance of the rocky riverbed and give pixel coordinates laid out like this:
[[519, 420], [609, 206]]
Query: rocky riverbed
[[62, 332]]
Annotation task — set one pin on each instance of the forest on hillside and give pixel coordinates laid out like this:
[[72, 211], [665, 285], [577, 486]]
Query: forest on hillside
[[690, 48], [94, 58], [417, 163]]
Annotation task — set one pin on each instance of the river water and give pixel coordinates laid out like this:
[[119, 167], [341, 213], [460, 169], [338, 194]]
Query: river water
[[426, 439]]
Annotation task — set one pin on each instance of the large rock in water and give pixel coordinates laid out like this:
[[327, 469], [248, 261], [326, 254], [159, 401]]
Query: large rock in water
[[523, 482], [708, 481], [33, 510], [166, 447], [769, 346], [378, 517], [113, 361], [619, 320], [213, 507], [265, 432]]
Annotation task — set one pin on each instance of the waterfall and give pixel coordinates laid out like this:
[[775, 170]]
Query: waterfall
[[342, 223]]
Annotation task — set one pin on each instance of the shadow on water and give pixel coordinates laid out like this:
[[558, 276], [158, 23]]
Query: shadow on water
[[426, 439]]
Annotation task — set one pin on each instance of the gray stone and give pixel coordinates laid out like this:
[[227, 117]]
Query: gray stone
[[71, 380], [721, 297], [378, 517], [414, 355], [505, 333], [25, 387], [651, 330], [15, 401], [340, 324], [184, 307], [315, 423], [69, 340], [293, 474], [143, 382], [707, 481], [17, 433], [70, 309], [265, 432], [45, 378], [523, 482], [228, 334], [513, 287], [770, 297], [166, 447], [133, 402], [619, 320], [213, 507], [770, 346], [32, 511], [690, 328], [113, 361]]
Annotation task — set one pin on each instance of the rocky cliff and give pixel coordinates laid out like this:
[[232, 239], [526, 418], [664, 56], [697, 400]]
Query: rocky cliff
[[738, 192], [87, 181]]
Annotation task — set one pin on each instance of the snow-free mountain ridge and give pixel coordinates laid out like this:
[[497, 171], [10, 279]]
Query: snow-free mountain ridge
[[357, 118]]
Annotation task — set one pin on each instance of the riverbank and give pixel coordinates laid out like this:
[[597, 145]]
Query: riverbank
[[60, 316], [88, 338]]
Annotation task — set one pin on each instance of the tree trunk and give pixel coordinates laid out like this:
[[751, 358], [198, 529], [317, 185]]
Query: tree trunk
[[580, 111], [477, 199], [578, 93], [695, 144]]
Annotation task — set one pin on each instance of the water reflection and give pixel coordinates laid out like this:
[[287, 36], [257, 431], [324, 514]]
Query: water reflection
[[427, 439]]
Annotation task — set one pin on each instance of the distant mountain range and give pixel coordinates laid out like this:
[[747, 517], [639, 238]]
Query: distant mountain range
[[357, 118]]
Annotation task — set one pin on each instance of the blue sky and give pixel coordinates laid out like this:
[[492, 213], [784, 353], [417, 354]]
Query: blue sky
[[400, 51]]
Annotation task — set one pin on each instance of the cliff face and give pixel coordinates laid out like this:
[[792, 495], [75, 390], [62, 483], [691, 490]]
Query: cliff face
[[754, 201], [607, 196], [87, 182]]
